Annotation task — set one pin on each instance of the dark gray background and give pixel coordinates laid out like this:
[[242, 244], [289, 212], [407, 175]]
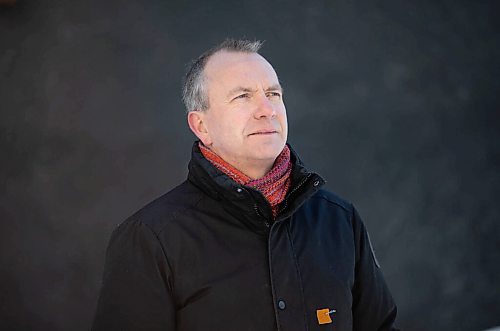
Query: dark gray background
[[395, 103]]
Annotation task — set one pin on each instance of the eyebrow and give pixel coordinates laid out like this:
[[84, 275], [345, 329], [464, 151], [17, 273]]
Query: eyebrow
[[239, 89], [275, 87]]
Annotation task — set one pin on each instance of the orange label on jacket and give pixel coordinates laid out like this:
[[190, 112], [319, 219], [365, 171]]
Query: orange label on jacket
[[323, 316]]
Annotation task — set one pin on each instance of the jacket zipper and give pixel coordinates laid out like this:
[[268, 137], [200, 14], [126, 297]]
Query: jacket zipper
[[273, 292], [266, 222], [293, 191]]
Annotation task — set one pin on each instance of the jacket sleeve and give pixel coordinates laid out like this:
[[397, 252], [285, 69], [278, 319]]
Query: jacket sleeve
[[373, 306], [136, 292]]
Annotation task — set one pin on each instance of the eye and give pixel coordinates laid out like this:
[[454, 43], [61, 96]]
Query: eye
[[274, 95], [242, 96]]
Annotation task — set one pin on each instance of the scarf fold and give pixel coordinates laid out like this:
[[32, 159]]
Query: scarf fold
[[274, 185]]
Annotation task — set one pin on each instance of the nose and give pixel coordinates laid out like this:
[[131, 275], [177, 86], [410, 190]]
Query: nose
[[265, 108]]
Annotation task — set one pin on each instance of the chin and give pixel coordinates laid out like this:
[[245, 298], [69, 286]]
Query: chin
[[268, 152]]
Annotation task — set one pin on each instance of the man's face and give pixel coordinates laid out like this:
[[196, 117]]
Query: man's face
[[246, 122]]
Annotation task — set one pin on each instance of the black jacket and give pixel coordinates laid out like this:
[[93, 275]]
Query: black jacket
[[207, 256]]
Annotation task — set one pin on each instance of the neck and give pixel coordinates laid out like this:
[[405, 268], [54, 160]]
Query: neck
[[254, 171], [272, 179]]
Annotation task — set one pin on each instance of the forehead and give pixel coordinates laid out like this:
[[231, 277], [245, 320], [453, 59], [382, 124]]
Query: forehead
[[230, 68]]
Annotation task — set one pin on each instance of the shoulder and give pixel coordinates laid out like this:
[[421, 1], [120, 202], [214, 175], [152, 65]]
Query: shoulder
[[338, 202], [324, 196], [157, 214], [328, 209]]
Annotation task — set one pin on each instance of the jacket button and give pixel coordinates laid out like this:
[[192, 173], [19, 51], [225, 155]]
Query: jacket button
[[281, 304], [239, 190], [316, 183]]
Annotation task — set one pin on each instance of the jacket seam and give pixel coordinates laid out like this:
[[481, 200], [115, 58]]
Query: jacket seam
[[176, 214], [273, 290], [157, 234], [297, 269], [356, 243], [172, 287], [349, 210]]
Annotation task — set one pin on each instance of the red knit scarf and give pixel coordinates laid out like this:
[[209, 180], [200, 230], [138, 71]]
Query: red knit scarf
[[274, 185]]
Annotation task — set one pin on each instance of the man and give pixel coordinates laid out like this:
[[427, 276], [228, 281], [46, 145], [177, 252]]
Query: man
[[249, 241]]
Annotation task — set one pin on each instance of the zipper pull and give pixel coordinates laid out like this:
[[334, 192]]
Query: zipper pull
[[257, 211]]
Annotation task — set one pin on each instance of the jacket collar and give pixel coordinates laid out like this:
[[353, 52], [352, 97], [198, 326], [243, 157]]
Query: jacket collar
[[245, 202]]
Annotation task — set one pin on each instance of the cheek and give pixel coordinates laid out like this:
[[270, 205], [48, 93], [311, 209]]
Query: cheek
[[280, 108], [227, 131], [282, 114]]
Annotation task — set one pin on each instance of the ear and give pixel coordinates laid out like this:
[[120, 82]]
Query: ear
[[196, 121]]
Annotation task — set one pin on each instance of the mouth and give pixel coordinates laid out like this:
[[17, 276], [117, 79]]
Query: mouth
[[263, 133]]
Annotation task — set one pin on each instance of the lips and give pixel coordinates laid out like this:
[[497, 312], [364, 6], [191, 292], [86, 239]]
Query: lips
[[263, 132]]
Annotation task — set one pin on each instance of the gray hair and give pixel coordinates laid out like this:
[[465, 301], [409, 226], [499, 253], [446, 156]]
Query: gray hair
[[194, 92]]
